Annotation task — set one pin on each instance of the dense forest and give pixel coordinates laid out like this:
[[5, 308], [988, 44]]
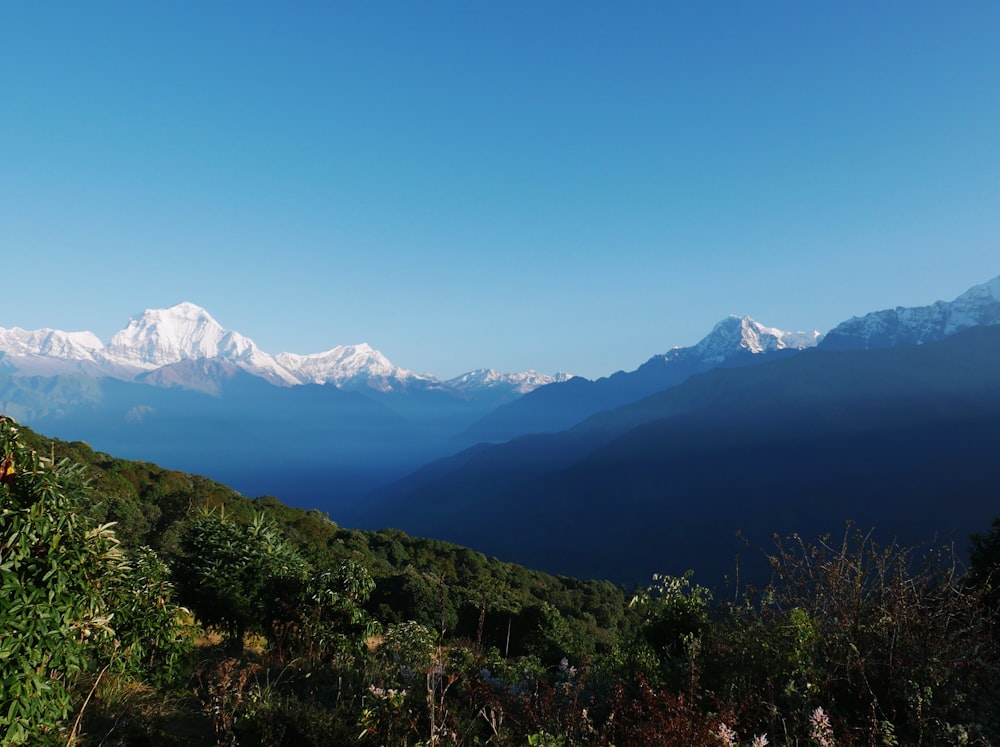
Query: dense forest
[[141, 606]]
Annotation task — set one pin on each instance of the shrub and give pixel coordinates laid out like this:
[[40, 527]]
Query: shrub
[[56, 567], [232, 574], [153, 635], [891, 641]]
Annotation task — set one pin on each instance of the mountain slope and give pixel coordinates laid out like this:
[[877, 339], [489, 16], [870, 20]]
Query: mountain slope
[[734, 341], [242, 430], [978, 306], [900, 438]]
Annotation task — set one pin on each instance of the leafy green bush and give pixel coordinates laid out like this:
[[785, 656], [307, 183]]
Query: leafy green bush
[[321, 616], [55, 569], [153, 635], [674, 614], [232, 573]]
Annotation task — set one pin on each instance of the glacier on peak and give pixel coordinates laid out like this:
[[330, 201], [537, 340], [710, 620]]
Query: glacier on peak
[[160, 337], [915, 325], [52, 343], [347, 365], [736, 335], [488, 378], [172, 346]]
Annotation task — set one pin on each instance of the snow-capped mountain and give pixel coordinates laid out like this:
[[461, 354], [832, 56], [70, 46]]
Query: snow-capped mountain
[[737, 335], [351, 366], [49, 351], [50, 343], [978, 306], [553, 408], [161, 337], [520, 383], [179, 347], [187, 334]]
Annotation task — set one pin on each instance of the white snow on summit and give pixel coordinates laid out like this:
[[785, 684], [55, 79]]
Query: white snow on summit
[[159, 337], [487, 378], [914, 325], [49, 352], [735, 335], [51, 343], [347, 365], [980, 305]]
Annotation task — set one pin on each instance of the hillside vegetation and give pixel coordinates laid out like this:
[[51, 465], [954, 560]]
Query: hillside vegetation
[[143, 606]]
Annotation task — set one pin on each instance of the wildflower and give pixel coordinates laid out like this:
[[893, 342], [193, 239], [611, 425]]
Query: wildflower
[[760, 740], [820, 729], [728, 736]]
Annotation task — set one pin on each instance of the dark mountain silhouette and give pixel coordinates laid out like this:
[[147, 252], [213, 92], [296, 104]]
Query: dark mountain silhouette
[[735, 341], [902, 439]]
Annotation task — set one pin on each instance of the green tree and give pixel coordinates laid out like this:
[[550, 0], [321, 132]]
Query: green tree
[[233, 574], [153, 635], [322, 615], [674, 614], [56, 566]]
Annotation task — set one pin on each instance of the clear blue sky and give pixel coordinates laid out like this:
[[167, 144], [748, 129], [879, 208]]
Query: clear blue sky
[[568, 186]]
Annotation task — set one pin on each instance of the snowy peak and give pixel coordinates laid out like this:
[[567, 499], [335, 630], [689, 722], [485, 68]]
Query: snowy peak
[[348, 366], [978, 306], [915, 325], [160, 337], [50, 343], [49, 352], [184, 346], [737, 335], [520, 383]]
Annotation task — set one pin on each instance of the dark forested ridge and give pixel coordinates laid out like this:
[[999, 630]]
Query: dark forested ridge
[[901, 439], [153, 506]]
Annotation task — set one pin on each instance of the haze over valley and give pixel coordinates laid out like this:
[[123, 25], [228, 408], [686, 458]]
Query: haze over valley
[[753, 429]]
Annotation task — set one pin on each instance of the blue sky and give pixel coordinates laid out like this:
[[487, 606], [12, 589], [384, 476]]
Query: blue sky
[[569, 186]]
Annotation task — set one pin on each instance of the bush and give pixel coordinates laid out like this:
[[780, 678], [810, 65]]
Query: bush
[[889, 640], [232, 574], [56, 567], [153, 635]]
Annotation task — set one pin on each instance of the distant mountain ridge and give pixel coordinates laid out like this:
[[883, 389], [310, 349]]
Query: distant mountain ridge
[[734, 341], [737, 335], [325, 429], [174, 386], [749, 429], [900, 438], [184, 333], [977, 307]]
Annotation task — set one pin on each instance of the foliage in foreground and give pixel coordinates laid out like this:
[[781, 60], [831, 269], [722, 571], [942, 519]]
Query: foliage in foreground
[[337, 637], [65, 588]]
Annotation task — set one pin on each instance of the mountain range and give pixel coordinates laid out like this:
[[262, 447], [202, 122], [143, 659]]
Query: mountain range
[[176, 387], [160, 338], [888, 419], [895, 432]]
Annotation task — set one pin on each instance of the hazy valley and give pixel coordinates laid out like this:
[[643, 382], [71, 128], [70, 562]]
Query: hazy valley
[[887, 420]]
